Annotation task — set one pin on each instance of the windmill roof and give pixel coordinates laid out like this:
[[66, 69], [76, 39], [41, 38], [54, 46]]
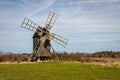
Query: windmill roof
[[36, 35]]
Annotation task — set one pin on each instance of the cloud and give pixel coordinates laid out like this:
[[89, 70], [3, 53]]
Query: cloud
[[33, 7], [72, 2], [22, 8]]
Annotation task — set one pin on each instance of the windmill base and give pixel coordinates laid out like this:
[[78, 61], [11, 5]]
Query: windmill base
[[40, 58]]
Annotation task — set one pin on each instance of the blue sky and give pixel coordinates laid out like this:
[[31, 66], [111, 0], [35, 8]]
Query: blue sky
[[90, 25]]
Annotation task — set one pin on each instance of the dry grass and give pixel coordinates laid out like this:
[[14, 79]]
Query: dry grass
[[17, 62], [109, 62]]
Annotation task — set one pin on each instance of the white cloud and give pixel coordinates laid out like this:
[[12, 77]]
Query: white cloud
[[23, 8], [32, 7], [86, 1]]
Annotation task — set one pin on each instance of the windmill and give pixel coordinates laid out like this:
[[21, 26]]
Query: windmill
[[42, 37]]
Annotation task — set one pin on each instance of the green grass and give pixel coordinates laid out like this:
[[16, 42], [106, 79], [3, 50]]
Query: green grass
[[57, 71]]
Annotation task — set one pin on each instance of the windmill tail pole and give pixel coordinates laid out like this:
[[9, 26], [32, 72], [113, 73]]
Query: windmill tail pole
[[55, 54]]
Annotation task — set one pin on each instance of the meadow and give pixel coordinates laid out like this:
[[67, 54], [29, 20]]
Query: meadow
[[57, 71]]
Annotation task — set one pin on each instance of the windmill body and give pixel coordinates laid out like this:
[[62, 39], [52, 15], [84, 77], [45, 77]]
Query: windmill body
[[42, 37], [41, 46]]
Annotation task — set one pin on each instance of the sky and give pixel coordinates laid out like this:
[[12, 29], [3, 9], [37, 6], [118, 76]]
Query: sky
[[89, 25]]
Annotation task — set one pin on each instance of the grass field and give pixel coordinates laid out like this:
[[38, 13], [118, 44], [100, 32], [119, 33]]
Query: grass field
[[57, 71]]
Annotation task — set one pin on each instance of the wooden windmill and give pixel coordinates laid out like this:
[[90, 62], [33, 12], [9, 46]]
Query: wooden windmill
[[42, 37]]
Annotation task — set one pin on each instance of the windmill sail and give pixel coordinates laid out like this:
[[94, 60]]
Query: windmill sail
[[28, 24], [52, 17], [59, 39]]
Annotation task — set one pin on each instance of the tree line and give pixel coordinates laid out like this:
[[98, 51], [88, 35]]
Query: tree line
[[61, 56]]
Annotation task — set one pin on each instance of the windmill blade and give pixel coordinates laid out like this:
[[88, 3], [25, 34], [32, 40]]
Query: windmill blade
[[52, 17], [59, 39], [28, 24]]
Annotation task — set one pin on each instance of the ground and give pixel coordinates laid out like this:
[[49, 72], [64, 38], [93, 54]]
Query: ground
[[57, 71]]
